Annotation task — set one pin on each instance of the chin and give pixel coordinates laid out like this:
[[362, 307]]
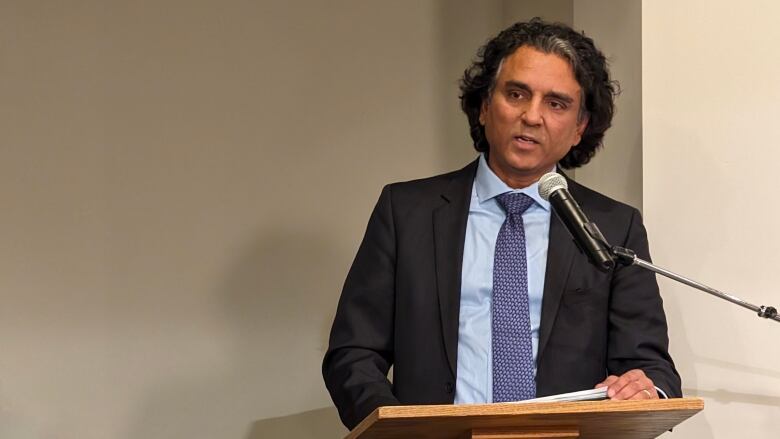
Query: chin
[[524, 166]]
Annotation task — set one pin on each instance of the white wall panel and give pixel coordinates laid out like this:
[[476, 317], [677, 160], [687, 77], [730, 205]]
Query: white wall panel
[[711, 102]]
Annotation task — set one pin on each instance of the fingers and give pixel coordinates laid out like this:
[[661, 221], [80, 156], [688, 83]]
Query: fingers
[[646, 394], [635, 390], [618, 385], [607, 382], [633, 384]]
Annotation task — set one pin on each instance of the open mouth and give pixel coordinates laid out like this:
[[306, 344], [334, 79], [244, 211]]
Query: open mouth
[[526, 139]]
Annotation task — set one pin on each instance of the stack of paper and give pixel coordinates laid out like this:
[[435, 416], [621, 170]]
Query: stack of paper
[[582, 395]]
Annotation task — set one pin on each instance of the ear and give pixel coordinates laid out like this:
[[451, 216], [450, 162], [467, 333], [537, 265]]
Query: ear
[[482, 111]]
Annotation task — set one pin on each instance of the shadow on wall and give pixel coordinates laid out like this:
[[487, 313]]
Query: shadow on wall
[[727, 396], [311, 424]]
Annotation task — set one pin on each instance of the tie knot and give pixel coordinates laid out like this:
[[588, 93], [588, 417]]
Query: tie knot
[[514, 202]]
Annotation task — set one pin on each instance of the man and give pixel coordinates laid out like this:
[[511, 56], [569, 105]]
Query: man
[[468, 285]]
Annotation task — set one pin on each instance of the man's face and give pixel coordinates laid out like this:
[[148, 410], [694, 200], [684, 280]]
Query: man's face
[[531, 118]]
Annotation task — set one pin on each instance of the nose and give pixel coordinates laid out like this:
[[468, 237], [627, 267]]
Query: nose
[[532, 113]]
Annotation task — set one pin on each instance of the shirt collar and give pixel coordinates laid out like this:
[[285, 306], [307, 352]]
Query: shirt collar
[[488, 185]]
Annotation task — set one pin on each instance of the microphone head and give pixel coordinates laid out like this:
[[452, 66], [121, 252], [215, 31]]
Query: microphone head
[[551, 182]]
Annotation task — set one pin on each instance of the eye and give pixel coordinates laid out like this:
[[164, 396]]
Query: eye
[[515, 94], [558, 105]]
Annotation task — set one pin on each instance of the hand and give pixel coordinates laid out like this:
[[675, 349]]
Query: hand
[[633, 384]]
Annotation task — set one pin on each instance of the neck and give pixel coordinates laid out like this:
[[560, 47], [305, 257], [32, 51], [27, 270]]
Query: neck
[[518, 182], [515, 180]]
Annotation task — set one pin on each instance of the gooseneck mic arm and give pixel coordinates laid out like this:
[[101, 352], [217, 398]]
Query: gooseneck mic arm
[[554, 188], [626, 256]]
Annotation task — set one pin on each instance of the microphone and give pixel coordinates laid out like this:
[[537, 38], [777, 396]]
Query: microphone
[[554, 188]]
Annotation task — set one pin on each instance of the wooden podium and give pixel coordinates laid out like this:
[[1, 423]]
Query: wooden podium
[[583, 420]]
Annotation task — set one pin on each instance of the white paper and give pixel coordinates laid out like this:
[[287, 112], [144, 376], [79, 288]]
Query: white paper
[[582, 395]]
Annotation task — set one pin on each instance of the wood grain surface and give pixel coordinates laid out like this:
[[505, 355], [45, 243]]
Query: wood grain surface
[[592, 419]]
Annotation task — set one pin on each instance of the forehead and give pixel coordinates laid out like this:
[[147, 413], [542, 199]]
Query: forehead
[[538, 70]]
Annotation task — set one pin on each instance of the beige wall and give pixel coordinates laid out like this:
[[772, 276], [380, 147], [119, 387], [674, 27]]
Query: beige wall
[[184, 185], [710, 105], [551, 10]]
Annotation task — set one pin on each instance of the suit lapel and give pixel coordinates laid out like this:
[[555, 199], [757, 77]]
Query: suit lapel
[[560, 257], [449, 233]]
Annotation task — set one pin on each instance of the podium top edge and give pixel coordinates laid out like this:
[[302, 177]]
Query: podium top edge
[[541, 408]]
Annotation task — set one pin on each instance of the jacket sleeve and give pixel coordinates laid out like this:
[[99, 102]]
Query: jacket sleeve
[[637, 324], [360, 350]]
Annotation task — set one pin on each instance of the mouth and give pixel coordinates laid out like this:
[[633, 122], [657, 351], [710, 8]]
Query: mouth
[[526, 139]]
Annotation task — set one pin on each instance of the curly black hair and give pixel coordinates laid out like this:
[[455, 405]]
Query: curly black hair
[[590, 70]]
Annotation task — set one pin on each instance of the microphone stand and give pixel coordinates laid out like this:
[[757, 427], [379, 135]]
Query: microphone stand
[[589, 239], [627, 257]]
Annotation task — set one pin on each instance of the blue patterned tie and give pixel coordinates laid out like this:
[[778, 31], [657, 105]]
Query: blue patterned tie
[[513, 368]]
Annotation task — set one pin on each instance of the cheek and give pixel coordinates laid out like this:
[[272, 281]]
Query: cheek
[[496, 122], [568, 133], [505, 115]]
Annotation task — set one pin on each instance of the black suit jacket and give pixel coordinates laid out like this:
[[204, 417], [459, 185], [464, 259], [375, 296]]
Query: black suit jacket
[[400, 303]]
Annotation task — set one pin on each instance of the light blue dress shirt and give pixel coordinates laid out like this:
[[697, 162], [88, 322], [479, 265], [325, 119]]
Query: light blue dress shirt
[[475, 350]]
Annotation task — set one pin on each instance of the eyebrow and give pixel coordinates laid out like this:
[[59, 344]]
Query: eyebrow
[[553, 94]]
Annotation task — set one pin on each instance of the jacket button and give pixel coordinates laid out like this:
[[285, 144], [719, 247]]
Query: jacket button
[[449, 387]]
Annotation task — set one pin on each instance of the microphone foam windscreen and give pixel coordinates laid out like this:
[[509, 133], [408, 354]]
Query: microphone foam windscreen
[[551, 182]]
